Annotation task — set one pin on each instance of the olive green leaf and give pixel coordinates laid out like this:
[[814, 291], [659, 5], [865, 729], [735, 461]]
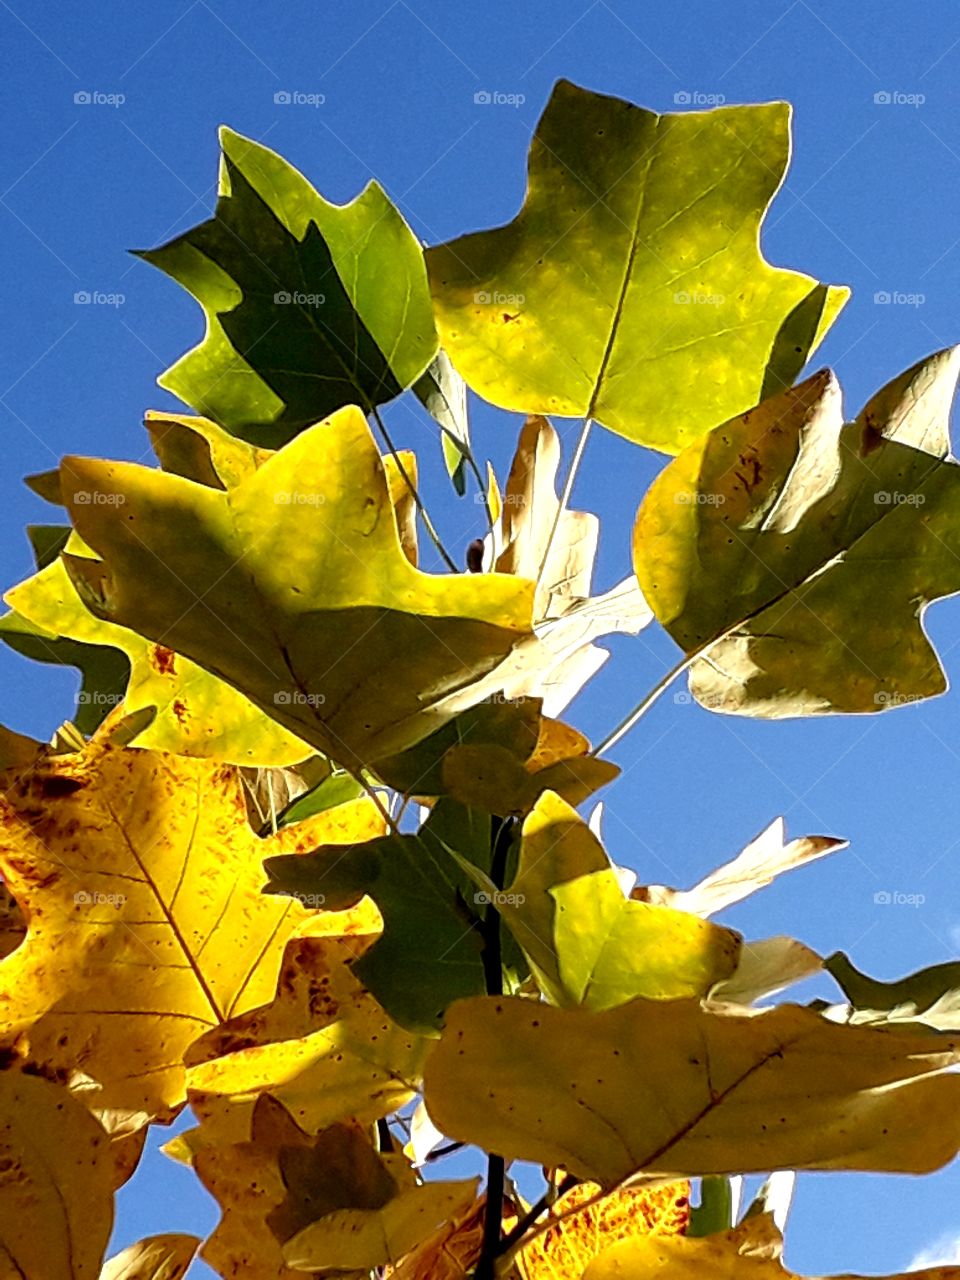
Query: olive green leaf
[[632, 269], [309, 305], [930, 997], [676, 1087], [430, 952], [293, 587], [797, 555]]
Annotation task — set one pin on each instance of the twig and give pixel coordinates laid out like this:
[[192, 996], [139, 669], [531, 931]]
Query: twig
[[427, 522]]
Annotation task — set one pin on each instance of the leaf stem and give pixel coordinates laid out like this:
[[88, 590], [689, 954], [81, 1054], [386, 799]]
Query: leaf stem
[[427, 522], [549, 1197], [564, 503], [640, 710]]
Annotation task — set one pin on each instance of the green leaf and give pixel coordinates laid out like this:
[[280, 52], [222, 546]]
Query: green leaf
[[430, 952], [309, 305], [797, 555], [716, 1210], [589, 945], [293, 587], [443, 393], [633, 269], [338, 788]]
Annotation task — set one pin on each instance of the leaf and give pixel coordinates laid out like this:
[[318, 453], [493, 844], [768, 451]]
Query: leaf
[[748, 1252], [674, 1088], [323, 1047], [310, 306], [358, 1209], [139, 878], [798, 555], [764, 858], [930, 997], [765, 967], [632, 269], [567, 1247], [244, 1178], [295, 566], [443, 394], [198, 449], [431, 949], [196, 714], [56, 1194], [586, 943], [165, 1257]]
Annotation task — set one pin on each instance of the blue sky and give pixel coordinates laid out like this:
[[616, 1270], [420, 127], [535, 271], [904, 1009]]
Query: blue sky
[[870, 201]]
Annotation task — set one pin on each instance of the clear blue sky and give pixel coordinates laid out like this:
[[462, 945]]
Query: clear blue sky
[[871, 201]]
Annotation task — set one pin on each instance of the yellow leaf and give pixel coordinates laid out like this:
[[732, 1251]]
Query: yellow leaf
[[562, 1252], [588, 944], [165, 1257], [750, 1251], [56, 1182], [323, 1047], [140, 880], [308, 602], [676, 1088]]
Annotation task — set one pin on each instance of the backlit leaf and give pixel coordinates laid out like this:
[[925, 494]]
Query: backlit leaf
[[633, 269]]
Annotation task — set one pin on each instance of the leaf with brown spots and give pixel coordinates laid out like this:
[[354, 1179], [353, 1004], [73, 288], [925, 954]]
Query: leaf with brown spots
[[678, 1088], [323, 1047], [793, 556], [56, 1182], [140, 878]]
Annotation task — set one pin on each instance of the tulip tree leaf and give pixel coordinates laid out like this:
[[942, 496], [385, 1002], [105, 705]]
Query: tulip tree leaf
[[632, 269], [294, 588], [164, 1257], [751, 1251], [930, 996], [430, 953], [798, 554], [56, 1193], [588, 944], [443, 393], [323, 1046], [309, 305], [196, 714], [679, 1088], [139, 878]]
